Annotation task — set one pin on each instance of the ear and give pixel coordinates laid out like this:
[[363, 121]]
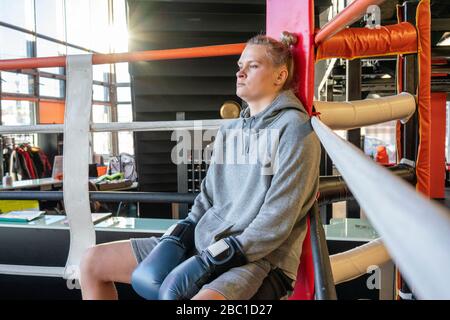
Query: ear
[[281, 76]]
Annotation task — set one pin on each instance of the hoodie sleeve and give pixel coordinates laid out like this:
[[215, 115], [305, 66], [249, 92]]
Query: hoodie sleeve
[[292, 191]]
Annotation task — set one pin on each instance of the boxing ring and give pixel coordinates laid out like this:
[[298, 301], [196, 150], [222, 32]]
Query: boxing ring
[[414, 233]]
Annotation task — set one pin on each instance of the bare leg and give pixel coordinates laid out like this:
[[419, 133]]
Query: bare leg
[[103, 265], [208, 294]]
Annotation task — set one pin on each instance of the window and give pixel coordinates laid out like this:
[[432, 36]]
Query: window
[[78, 23], [15, 44], [102, 143], [120, 41], [50, 18], [16, 112], [100, 72], [51, 87], [99, 25], [101, 93], [101, 32], [18, 12], [16, 83], [124, 113], [126, 142], [101, 140], [122, 73], [123, 94]]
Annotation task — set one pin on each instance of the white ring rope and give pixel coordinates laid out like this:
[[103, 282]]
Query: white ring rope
[[415, 231], [121, 126], [336, 115]]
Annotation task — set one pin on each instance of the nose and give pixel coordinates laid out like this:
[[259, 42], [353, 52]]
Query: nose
[[240, 74]]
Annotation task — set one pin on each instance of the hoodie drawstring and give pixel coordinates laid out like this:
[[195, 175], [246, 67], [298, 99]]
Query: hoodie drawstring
[[242, 132], [249, 135]]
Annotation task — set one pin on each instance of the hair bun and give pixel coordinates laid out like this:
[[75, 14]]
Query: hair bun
[[288, 39]]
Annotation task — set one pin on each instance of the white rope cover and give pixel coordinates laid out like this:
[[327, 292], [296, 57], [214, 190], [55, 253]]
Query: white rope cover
[[415, 231], [348, 115], [76, 160], [354, 263]]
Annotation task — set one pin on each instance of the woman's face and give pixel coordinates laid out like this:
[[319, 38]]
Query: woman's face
[[257, 77]]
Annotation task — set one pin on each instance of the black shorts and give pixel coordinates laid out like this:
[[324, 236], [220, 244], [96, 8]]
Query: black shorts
[[277, 285]]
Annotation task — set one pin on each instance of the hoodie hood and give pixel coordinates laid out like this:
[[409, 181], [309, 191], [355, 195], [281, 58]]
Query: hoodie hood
[[284, 101]]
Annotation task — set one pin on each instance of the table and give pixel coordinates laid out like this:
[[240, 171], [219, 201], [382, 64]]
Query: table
[[42, 184], [48, 183]]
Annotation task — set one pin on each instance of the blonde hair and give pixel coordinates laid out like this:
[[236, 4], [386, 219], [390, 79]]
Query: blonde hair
[[279, 53]]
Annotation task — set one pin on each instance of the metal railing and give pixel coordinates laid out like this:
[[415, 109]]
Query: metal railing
[[323, 276]]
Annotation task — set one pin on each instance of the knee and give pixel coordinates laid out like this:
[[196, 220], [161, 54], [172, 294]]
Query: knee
[[90, 263], [146, 281], [209, 294]]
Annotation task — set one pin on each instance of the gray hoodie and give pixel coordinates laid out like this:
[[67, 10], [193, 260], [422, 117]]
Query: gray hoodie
[[262, 203]]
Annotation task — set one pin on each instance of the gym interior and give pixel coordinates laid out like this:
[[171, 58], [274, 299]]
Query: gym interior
[[96, 96]]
